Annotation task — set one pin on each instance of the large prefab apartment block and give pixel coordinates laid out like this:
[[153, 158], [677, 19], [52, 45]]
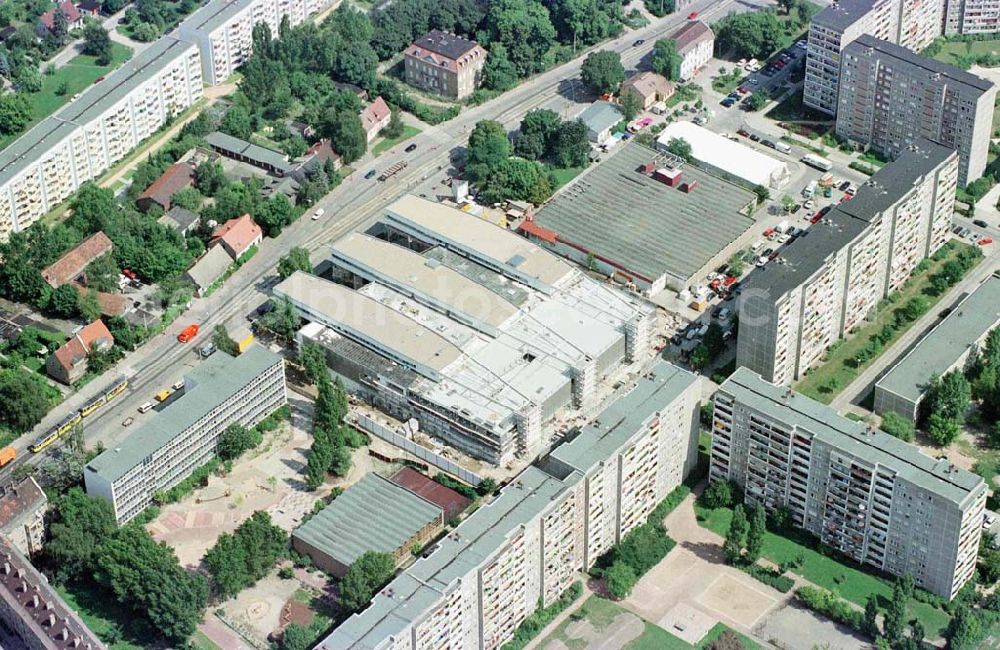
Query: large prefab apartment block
[[828, 282], [47, 164], [871, 496], [912, 24], [946, 347], [183, 436], [890, 97], [472, 589]]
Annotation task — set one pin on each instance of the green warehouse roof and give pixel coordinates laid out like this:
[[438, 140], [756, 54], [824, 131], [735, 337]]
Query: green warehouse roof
[[212, 382], [375, 514]]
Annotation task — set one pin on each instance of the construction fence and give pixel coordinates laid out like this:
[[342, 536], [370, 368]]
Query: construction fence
[[419, 452]]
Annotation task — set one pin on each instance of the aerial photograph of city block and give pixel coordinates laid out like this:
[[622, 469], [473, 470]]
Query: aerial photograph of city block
[[499, 324]]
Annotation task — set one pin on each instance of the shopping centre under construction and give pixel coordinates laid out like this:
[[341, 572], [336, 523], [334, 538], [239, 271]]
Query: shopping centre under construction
[[485, 339]]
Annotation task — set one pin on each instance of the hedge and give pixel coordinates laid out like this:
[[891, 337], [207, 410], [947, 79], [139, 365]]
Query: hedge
[[541, 617]]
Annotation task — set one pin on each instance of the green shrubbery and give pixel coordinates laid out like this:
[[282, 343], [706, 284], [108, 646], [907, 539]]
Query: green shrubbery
[[830, 605], [542, 616]]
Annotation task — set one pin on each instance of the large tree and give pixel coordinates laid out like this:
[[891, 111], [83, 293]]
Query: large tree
[[144, 576], [755, 534], [80, 525], [97, 43], [525, 31], [736, 536], [488, 149], [24, 400], [15, 112], [297, 259], [240, 559], [346, 134], [666, 61], [537, 130], [753, 34], [569, 146], [364, 577], [603, 71]]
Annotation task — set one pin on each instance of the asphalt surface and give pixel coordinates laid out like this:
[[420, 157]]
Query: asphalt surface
[[354, 205]]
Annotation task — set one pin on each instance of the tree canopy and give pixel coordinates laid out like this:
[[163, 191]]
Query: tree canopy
[[364, 577], [603, 71], [666, 60], [240, 559]]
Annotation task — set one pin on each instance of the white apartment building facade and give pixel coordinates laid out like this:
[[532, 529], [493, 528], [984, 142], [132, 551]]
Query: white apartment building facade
[[48, 163], [223, 30], [552, 521], [825, 285], [874, 498], [695, 42], [183, 436], [971, 16], [912, 24], [889, 96]]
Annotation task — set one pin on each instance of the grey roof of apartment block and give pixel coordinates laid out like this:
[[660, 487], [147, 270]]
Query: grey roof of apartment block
[[943, 346], [623, 417], [214, 14], [644, 225], [800, 259], [392, 515], [211, 382], [932, 66], [841, 15], [94, 101], [855, 438]]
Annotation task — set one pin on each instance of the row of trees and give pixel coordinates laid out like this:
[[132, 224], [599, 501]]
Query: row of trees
[[333, 438], [141, 575]]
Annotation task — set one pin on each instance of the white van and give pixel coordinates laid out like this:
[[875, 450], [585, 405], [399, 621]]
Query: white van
[[782, 147], [148, 406], [809, 190]]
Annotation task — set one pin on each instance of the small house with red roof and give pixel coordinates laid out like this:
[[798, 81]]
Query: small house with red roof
[[69, 362], [47, 21], [238, 235], [375, 117], [177, 177]]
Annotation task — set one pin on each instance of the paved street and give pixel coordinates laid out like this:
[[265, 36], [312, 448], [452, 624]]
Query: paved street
[[75, 48], [355, 204]]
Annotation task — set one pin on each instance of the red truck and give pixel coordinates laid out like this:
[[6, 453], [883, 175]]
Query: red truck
[[189, 333]]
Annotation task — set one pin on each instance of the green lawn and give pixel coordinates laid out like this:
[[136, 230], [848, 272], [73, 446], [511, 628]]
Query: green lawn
[[388, 143], [824, 382], [850, 583], [103, 617], [201, 642], [601, 613], [563, 176], [78, 74], [951, 50]]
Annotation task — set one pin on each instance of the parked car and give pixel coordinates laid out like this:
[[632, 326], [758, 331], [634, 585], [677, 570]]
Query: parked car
[[319, 213], [980, 223], [796, 208], [744, 133], [692, 15], [767, 143], [843, 186], [128, 421], [985, 240], [754, 137], [728, 102]]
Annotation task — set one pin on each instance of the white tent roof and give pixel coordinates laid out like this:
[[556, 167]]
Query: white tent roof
[[727, 155]]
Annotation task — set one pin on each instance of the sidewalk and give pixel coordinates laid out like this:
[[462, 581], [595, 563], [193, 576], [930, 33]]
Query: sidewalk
[[557, 621]]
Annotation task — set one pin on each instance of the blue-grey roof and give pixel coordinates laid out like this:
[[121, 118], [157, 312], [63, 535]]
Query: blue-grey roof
[[849, 436], [841, 15], [89, 106], [600, 116], [210, 383], [929, 65], [944, 345], [228, 143], [392, 516]]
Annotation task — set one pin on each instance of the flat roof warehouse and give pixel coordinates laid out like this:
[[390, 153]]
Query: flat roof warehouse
[[643, 227]]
